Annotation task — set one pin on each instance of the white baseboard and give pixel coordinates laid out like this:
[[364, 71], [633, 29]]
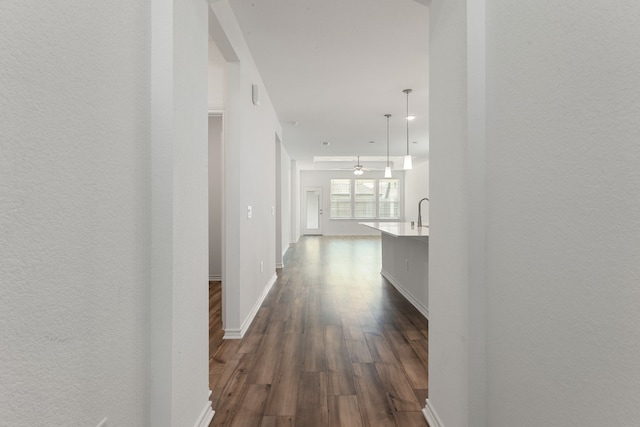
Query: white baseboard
[[432, 417], [206, 415], [417, 304], [238, 334], [215, 278], [279, 265]]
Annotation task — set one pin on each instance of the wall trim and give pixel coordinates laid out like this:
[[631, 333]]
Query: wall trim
[[238, 334], [279, 265], [417, 304], [215, 278], [432, 417], [206, 415]]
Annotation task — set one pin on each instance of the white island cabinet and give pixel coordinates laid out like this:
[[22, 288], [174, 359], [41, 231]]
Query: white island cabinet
[[405, 260]]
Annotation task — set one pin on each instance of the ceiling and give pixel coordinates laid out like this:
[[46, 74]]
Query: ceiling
[[333, 68]]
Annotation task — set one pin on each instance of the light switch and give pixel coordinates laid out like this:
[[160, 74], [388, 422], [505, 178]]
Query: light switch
[[249, 212]]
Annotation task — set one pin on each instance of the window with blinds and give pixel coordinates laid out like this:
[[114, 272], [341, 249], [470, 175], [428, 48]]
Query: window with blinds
[[340, 198], [365, 199], [388, 199]]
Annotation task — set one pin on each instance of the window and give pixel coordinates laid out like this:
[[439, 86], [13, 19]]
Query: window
[[388, 199], [365, 198], [340, 198], [370, 199]]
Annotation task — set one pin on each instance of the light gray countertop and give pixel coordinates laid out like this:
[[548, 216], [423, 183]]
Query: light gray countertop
[[398, 229]]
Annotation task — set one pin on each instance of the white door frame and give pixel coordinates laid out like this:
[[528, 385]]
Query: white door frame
[[311, 231]]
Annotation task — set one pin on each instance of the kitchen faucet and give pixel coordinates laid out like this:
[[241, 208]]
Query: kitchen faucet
[[420, 211]]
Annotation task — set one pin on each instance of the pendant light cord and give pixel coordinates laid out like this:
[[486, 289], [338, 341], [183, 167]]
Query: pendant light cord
[[387, 116], [407, 91]]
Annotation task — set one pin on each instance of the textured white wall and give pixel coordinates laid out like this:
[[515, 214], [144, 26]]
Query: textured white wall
[[250, 170], [556, 264], [74, 208], [563, 199]]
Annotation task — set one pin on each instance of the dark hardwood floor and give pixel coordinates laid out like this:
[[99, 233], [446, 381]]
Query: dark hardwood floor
[[333, 344], [215, 317]]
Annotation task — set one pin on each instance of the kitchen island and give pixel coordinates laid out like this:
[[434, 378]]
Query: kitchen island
[[405, 260]]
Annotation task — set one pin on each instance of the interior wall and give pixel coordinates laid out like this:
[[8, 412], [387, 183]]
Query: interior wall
[[74, 212], [216, 78], [560, 292], [416, 186], [215, 197], [449, 215], [342, 227], [179, 295], [285, 200], [296, 192], [563, 201], [249, 162]]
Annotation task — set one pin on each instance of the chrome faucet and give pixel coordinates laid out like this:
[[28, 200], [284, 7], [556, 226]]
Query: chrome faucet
[[420, 211]]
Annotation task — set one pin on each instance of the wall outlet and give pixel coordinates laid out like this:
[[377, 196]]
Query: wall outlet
[[249, 212], [261, 266], [273, 210]]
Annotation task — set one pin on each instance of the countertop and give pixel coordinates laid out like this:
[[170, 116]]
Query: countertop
[[398, 229]]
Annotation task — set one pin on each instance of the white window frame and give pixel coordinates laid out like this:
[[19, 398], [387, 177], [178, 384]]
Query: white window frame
[[377, 200]]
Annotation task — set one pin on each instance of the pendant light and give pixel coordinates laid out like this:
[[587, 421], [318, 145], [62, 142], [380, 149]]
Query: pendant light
[[407, 158], [387, 170]]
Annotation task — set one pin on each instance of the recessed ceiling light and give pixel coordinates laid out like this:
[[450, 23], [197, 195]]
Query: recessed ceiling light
[[324, 143], [411, 117]]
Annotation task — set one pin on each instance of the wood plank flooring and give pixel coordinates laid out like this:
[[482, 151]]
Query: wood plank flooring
[[333, 344], [215, 316]]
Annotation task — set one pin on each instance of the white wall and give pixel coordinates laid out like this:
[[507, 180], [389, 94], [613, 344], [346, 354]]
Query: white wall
[[250, 159], [215, 197], [449, 213], [179, 221], [416, 186], [74, 210], [557, 267], [284, 206], [341, 227], [563, 205], [216, 78], [296, 192], [78, 215]]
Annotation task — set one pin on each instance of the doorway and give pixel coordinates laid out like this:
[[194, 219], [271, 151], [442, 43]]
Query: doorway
[[312, 211], [216, 197]]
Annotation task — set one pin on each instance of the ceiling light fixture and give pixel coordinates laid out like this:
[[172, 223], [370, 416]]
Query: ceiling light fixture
[[387, 170], [407, 158], [358, 168]]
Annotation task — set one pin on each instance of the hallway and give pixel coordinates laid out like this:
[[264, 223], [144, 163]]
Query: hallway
[[333, 344]]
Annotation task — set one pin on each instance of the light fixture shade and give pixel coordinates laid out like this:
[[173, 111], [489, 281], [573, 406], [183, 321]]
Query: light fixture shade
[[358, 172], [407, 162], [387, 172]]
